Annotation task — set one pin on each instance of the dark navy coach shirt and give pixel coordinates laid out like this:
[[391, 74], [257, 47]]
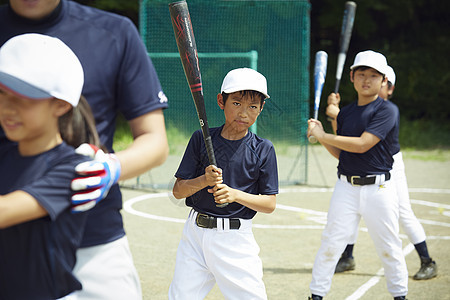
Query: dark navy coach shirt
[[119, 77]]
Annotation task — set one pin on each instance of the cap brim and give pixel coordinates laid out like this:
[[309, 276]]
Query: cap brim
[[366, 65], [232, 90], [22, 88]]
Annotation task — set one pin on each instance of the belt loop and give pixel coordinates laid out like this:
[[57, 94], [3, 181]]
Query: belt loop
[[226, 224], [193, 214], [220, 222], [379, 179]]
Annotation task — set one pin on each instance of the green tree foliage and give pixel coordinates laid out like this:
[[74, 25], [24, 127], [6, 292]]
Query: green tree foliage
[[414, 36]]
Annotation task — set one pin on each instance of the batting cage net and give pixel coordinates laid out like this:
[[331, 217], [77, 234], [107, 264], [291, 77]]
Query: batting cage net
[[269, 36]]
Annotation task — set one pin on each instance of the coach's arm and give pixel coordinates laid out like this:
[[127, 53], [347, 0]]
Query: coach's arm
[[149, 148]]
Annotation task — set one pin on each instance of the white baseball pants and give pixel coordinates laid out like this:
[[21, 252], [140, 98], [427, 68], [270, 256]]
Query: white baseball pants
[[107, 272], [378, 205], [227, 257], [408, 220]]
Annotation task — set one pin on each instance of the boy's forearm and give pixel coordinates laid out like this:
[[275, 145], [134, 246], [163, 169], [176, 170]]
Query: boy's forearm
[[332, 149], [187, 187], [259, 203], [334, 125], [346, 143]]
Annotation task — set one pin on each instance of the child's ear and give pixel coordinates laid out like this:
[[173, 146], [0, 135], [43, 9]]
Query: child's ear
[[61, 107], [351, 76], [385, 81], [220, 101], [262, 106], [391, 90]]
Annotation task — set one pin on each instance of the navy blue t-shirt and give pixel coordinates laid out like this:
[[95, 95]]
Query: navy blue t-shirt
[[119, 77], [37, 257], [248, 164], [379, 118], [395, 141]]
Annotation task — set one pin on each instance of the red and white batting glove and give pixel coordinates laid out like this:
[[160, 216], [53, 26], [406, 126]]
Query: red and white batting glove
[[97, 178]]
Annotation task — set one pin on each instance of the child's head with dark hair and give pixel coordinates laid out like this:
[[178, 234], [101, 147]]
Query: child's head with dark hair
[[368, 75], [363, 68], [370, 59], [242, 98], [247, 93], [245, 79], [387, 91], [41, 80]]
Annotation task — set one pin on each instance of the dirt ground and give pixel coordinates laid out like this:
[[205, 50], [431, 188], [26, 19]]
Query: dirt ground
[[290, 237]]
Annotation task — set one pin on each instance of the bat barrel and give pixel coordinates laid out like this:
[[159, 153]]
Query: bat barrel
[[184, 36], [344, 41]]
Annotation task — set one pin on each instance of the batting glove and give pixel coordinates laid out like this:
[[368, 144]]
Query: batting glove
[[97, 178]]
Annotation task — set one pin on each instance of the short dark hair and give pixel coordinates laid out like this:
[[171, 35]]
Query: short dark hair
[[253, 94], [363, 68]]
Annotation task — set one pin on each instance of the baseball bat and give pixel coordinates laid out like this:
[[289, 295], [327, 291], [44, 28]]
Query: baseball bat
[[184, 36], [320, 71], [344, 41]]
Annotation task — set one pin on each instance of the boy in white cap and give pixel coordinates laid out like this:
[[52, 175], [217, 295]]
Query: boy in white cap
[[412, 227], [217, 244], [365, 135], [40, 84]]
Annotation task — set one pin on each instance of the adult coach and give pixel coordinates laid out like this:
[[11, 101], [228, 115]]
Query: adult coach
[[119, 77]]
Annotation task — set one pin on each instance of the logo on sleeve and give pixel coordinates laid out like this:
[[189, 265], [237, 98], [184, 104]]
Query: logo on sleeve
[[162, 97]]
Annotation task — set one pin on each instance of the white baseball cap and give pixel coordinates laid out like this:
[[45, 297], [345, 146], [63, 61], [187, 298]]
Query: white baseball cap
[[390, 74], [37, 66], [244, 79], [371, 59]]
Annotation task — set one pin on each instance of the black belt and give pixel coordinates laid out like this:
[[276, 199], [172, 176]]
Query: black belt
[[358, 180], [206, 221]]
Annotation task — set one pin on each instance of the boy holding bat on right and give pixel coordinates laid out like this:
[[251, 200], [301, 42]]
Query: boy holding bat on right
[[363, 144], [407, 218], [217, 244]]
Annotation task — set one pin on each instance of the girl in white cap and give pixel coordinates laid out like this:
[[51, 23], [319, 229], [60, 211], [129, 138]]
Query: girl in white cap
[[40, 111]]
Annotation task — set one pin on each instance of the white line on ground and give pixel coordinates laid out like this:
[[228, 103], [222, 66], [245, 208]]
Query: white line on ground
[[319, 216]]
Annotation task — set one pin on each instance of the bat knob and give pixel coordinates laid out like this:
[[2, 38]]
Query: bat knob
[[221, 205], [312, 139]]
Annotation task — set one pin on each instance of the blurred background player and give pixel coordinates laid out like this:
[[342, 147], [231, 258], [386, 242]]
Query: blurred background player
[[365, 134], [217, 244], [408, 221], [119, 79], [41, 111]]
